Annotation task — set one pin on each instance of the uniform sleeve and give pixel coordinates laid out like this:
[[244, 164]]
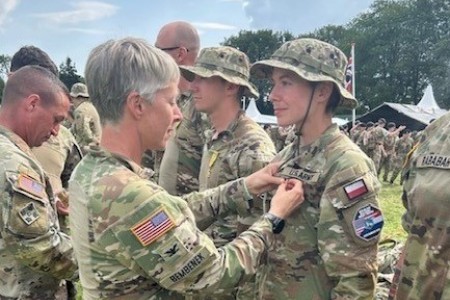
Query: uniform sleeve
[[30, 230], [161, 239], [348, 230], [209, 204], [73, 158]]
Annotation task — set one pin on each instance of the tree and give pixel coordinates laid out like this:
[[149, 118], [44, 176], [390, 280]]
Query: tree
[[68, 73], [5, 61], [259, 45]]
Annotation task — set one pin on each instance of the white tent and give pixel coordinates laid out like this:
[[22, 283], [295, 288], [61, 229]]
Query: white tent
[[253, 112], [428, 103]]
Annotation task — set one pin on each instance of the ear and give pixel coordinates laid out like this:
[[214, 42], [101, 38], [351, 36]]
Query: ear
[[181, 54], [31, 102], [134, 105], [231, 88], [324, 91]]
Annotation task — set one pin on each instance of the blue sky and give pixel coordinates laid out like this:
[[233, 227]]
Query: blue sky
[[72, 28]]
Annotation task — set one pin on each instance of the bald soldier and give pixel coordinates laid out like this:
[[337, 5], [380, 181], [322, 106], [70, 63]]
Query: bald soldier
[[34, 254], [180, 165], [133, 240]]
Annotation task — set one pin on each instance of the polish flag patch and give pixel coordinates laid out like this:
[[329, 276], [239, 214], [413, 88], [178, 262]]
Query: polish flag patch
[[356, 189]]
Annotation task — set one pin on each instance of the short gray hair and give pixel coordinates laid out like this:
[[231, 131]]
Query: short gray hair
[[116, 68]]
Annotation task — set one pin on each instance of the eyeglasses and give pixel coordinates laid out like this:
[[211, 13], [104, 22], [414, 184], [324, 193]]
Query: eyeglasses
[[173, 48]]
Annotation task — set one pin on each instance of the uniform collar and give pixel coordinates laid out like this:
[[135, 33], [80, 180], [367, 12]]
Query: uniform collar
[[227, 134], [17, 140]]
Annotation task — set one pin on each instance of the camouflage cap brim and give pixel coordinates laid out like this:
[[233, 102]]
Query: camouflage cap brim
[[189, 72], [263, 69], [75, 95]]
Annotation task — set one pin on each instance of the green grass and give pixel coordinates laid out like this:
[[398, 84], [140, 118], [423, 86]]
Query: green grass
[[392, 208]]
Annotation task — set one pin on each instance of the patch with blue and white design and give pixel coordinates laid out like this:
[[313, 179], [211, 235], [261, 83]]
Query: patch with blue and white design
[[368, 222]]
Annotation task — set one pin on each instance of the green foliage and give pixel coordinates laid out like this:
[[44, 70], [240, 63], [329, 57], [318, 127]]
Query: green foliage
[[5, 61], [68, 73]]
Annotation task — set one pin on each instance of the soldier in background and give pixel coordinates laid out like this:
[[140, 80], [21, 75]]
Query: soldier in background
[[379, 134], [330, 249], [423, 266], [180, 165], [389, 153], [133, 240], [86, 125], [402, 148], [34, 253], [236, 146]]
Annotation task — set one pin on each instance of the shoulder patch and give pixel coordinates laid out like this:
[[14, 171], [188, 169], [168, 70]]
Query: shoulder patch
[[356, 189], [153, 227], [29, 213], [30, 185], [368, 222]]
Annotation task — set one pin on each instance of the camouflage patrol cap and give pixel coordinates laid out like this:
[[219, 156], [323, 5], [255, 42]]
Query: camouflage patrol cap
[[225, 62], [79, 90], [312, 60]]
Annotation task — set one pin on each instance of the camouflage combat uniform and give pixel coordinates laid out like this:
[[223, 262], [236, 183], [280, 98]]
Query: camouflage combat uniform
[[424, 274], [378, 134], [58, 157], [180, 165], [388, 159], [135, 241], [237, 152], [329, 249], [402, 147], [330, 246], [86, 126], [34, 254]]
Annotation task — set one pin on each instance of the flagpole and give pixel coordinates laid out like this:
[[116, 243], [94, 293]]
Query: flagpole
[[353, 82]]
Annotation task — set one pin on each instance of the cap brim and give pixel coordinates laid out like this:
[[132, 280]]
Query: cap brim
[[263, 69], [189, 72]]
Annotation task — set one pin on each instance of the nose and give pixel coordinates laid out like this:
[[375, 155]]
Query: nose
[[194, 84], [177, 115], [55, 130], [273, 96]]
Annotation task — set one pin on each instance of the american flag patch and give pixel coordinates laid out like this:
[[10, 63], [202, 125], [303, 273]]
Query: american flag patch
[[30, 185], [151, 228], [356, 189]]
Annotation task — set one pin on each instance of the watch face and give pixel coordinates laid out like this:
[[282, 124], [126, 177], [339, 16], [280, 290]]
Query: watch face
[[277, 223]]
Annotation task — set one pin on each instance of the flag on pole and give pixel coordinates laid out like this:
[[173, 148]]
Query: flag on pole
[[349, 76]]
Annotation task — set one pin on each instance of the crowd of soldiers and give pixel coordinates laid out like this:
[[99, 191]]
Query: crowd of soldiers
[[150, 182]]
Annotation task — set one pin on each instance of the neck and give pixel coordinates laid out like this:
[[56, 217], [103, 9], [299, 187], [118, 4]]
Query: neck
[[7, 120], [312, 129], [121, 140], [222, 117]]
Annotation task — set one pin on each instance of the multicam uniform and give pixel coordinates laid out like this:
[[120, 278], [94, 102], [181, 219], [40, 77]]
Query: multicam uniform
[[34, 253], [329, 249], [402, 147], [237, 152], [424, 274], [135, 241], [86, 126], [378, 134], [58, 157], [180, 165], [387, 161]]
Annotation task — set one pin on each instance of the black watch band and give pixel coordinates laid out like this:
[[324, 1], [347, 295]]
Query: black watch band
[[277, 223]]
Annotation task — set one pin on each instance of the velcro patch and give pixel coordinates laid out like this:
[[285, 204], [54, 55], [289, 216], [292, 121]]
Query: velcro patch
[[368, 222], [153, 227], [433, 161], [356, 189], [30, 185], [29, 213]]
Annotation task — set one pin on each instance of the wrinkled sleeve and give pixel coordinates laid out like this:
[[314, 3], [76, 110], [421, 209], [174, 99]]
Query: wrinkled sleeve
[[31, 232], [209, 204], [160, 237], [348, 230]]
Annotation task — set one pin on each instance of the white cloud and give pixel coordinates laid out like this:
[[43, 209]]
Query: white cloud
[[217, 26], [81, 12], [6, 7], [86, 31]]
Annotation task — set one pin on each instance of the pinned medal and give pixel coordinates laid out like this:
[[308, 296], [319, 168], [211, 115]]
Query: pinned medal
[[29, 214]]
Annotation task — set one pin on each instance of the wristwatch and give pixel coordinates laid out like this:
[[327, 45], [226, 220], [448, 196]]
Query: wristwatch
[[277, 223]]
